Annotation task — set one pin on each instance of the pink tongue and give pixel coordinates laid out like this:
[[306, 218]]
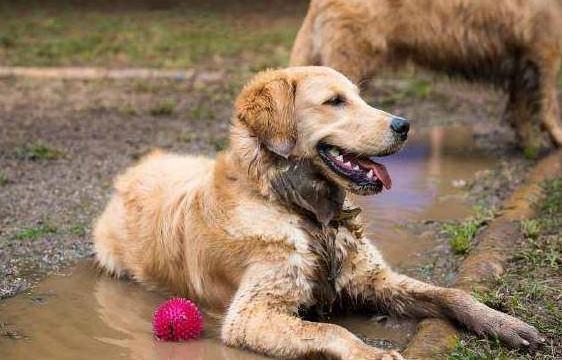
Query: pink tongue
[[379, 170], [382, 174]]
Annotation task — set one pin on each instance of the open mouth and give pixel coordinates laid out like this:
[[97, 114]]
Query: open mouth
[[360, 170]]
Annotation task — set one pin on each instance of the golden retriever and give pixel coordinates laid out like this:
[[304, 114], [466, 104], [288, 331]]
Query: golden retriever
[[268, 229], [512, 44]]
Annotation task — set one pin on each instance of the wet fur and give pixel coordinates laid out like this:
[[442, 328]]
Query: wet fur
[[512, 44], [266, 230]]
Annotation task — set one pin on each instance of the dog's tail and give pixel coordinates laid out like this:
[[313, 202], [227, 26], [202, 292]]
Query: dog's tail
[[305, 51]]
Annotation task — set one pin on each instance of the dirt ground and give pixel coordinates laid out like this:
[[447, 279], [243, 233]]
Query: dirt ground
[[62, 142]]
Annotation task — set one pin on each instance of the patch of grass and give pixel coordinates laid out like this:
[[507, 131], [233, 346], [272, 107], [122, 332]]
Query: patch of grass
[[36, 232], [78, 230], [475, 349], [164, 108], [173, 38], [38, 151], [531, 228], [552, 203], [4, 180], [461, 234], [531, 152], [531, 287], [417, 88]]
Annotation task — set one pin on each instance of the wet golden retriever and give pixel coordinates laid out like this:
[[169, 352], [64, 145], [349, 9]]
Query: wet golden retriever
[[512, 44], [267, 229]]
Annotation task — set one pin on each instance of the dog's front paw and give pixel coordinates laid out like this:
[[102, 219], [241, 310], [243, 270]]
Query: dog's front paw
[[512, 331], [372, 353]]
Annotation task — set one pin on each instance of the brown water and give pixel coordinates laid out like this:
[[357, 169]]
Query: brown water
[[83, 315]]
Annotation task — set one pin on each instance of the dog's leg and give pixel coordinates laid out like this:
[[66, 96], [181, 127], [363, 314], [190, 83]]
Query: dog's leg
[[523, 105], [533, 101], [263, 317], [376, 286], [550, 110]]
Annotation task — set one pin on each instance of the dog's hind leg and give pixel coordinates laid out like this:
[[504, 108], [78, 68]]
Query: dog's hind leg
[[263, 318], [374, 286]]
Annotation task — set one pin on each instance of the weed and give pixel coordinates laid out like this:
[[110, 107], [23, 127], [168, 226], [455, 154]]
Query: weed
[[531, 152], [36, 232], [164, 108], [531, 228], [462, 234], [552, 203], [78, 230], [4, 180], [38, 151]]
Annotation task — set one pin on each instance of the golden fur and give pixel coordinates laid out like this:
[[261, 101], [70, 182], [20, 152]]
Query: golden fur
[[267, 229], [513, 44]]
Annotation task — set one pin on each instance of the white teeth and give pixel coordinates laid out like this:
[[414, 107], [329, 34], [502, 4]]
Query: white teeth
[[347, 164], [370, 174], [356, 168], [333, 151], [339, 158]]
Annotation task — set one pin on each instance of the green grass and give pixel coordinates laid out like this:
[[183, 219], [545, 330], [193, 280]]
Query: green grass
[[36, 232], [164, 108], [4, 180], [180, 37], [531, 287], [38, 151], [531, 228], [78, 230], [417, 88], [461, 234]]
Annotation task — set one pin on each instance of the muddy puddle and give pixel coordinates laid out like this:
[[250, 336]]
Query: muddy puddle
[[83, 315]]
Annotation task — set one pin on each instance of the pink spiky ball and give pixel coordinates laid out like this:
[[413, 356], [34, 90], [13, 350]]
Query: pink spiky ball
[[177, 319]]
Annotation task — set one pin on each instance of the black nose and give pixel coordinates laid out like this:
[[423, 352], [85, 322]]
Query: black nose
[[400, 125]]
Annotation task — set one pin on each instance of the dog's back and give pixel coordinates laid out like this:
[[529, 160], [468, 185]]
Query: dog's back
[[466, 37], [143, 224]]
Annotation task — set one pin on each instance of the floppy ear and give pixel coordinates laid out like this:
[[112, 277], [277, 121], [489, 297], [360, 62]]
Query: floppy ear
[[266, 107]]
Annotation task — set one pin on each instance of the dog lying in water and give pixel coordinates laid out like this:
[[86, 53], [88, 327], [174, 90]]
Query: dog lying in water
[[513, 45], [268, 229]]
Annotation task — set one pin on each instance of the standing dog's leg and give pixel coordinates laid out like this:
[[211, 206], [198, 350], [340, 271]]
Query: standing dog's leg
[[550, 111], [533, 100], [263, 318], [377, 286], [523, 105]]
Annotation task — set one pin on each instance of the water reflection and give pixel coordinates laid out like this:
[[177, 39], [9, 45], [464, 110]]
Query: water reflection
[[422, 176]]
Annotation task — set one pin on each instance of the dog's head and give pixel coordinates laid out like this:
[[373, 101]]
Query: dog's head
[[315, 114]]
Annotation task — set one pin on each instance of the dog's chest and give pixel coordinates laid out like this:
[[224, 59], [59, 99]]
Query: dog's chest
[[332, 247]]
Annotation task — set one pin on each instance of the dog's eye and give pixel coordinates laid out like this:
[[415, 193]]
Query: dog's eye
[[337, 100]]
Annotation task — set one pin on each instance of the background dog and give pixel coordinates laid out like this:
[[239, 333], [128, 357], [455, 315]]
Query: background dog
[[514, 45], [267, 229]]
